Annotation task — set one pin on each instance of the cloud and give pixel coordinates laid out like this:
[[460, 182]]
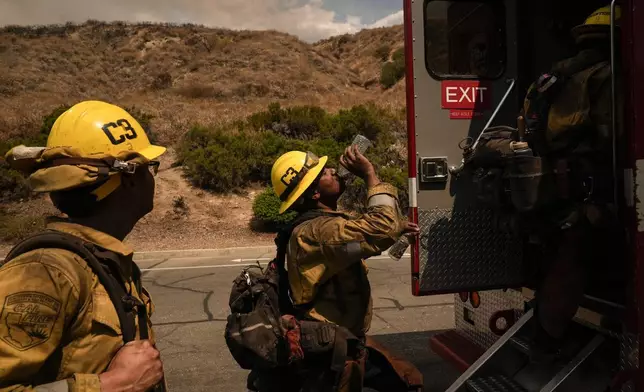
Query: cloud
[[390, 20], [308, 19]]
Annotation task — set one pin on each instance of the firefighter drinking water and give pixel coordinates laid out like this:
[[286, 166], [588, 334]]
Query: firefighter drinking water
[[74, 315], [325, 252]]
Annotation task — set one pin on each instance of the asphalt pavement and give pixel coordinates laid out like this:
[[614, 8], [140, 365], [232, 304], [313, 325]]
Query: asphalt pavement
[[191, 306]]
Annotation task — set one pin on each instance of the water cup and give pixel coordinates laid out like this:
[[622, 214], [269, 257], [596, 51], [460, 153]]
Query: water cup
[[363, 144]]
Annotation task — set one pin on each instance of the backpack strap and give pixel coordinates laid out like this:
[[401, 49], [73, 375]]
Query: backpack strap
[[281, 240], [104, 264]]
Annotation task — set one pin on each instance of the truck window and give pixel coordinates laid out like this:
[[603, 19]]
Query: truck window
[[465, 39]]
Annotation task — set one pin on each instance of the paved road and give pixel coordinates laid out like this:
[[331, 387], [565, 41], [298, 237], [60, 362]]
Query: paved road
[[191, 297]]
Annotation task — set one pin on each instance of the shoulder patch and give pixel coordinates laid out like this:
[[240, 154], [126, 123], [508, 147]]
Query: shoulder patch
[[27, 319]]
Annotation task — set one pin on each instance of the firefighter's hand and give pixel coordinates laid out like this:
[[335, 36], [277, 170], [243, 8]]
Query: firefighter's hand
[[411, 229], [359, 165], [136, 367]]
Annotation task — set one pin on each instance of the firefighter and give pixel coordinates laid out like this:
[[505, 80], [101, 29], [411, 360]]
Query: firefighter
[[325, 252], [60, 329], [579, 127]]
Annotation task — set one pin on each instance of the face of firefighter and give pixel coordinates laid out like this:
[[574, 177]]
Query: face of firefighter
[[145, 190], [136, 195], [330, 187], [119, 212]]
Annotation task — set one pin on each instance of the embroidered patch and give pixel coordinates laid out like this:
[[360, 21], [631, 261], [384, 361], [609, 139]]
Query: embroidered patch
[[27, 319]]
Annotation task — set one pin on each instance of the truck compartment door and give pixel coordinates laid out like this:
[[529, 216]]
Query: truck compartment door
[[461, 74]]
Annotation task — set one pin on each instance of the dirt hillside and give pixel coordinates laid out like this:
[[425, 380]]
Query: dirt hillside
[[363, 53], [182, 74]]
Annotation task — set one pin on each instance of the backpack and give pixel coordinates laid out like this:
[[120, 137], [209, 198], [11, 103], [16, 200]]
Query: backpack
[[264, 330], [564, 107], [105, 264]]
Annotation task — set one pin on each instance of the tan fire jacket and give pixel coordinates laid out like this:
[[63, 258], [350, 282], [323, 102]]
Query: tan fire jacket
[[57, 323], [325, 260]]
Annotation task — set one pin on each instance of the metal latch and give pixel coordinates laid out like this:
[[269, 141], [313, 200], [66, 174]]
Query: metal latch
[[433, 169]]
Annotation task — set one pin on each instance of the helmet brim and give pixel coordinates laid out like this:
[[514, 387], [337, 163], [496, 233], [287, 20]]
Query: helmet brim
[[304, 185], [152, 152]]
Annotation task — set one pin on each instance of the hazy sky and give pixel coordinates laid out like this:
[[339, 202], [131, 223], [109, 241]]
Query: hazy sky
[[309, 19]]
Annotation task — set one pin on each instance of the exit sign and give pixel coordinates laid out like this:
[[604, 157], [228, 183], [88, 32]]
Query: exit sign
[[465, 98]]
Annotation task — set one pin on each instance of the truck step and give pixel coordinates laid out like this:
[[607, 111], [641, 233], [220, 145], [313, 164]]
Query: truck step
[[521, 344], [498, 383]]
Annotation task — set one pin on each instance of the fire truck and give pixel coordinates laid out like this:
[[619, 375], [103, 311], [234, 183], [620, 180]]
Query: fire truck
[[468, 67]]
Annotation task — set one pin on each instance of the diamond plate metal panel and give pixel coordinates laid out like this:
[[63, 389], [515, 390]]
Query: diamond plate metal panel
[[463, 250], [629, 357], [491, 302]]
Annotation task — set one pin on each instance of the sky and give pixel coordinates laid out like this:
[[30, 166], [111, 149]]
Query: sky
[[310, 20]]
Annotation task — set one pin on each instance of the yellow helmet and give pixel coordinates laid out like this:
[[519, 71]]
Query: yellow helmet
[[293, 173], [92, 142], [597, 23], [100, 128]]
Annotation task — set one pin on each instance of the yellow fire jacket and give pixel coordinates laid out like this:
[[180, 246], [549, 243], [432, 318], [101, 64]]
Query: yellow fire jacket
[[325, 260], [58, 325]]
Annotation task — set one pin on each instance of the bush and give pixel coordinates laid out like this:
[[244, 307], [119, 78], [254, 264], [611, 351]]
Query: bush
[[299, 122], [361, 119], [223, 161], [266, 211], [236, 155], [13, 186], [393, 71], [382, 52], [180, 206]]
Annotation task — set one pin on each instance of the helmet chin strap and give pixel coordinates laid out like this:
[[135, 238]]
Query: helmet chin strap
[[108, 187]]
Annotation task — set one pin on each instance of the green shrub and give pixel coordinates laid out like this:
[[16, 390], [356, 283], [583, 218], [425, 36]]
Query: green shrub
[[299, 122], [366, 120], [393, 71], [399, 57], [236, 155], [266, 211], [13, 186], [225, 160]]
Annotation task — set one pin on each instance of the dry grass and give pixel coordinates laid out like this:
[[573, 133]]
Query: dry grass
[[181, 73], [365, 52]]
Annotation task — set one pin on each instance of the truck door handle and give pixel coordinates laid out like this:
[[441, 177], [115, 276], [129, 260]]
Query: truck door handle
[[433, 169]]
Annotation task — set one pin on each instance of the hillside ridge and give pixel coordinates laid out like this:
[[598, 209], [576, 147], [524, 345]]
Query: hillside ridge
[[185, 74]]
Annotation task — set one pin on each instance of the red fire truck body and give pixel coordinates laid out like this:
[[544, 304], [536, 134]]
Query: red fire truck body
[[468, 67]]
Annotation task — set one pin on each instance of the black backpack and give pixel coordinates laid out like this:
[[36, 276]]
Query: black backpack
[[264, 330]]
